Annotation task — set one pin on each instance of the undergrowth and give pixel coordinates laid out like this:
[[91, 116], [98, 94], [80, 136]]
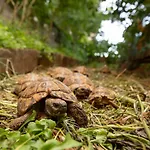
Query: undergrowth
[[15, 37], [124, 128]]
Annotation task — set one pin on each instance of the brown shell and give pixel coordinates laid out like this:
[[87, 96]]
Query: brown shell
[[39, 89], [81, 69], [105, 69], [26, 80], [79, 81], [102, 96], [59, 73], [28, 77]]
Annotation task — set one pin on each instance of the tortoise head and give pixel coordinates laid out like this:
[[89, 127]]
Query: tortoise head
[[55, 107], [81, 91], [60, 78]]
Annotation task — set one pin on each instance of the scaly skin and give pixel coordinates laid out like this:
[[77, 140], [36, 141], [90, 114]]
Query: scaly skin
[[16, 123], [78, 114]]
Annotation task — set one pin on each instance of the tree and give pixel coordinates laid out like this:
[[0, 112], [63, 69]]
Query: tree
[[136, 48], [71, 21]]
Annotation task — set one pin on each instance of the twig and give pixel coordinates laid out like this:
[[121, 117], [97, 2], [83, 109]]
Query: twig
[[136, 138], [130, 100], [121, 73], [29, 8], [147, 130], [57, 134], [5, 115], [8, 104], [139, 85], [24, 9], [123, 127], [3, 122], [9, 62]]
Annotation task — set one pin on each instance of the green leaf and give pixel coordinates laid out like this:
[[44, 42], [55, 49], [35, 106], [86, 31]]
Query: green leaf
[[4, 143], [67, 143], [13, 136], [46, 123], [86, 132], [31, 118], [22, 142], [101, 136], [42, 127], [37, 144], [3, 139], [49, 144], [33, 128], [3, 132], [90, 145], [24, 147], [55, 145], [47, 134], [109, 146]]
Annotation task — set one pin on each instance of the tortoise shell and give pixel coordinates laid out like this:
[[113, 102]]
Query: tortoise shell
[[81, 69], [101, 96], [105, 69], [80, 84], [59, 73], [26, 80]]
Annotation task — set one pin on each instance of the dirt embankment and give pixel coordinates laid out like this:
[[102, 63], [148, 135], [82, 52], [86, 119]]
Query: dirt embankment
[[26, 60]]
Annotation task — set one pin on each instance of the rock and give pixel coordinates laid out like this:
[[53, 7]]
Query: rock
[[62, 60], [26, 60], [22, 61]]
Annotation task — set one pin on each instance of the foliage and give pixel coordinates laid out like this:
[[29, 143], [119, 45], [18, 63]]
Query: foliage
[[136, 45], [73, 24], [12, 36], [37, 135], [74, 21], [72, 18]]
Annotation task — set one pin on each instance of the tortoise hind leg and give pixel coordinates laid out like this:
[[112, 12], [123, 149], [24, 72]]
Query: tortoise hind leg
[[78, 114]]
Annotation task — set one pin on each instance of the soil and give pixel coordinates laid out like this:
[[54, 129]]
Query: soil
[[127, 87], [132, 97], [26, 60]]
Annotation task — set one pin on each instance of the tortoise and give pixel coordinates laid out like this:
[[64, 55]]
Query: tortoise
[[80, 84], [105, 69], [59, 73], [81, 69], [102, 96], [50, 96]]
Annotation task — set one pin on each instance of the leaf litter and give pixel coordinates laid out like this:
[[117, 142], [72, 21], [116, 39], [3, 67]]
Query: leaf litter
[[125, 128]]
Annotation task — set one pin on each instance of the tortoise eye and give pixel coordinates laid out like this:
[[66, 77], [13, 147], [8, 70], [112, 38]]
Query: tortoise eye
[[56, 105], [60, 79]]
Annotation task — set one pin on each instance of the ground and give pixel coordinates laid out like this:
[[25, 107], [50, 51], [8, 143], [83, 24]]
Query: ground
[[126, 127]]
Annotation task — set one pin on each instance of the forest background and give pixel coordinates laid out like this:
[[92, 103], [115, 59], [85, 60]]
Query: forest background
[[72, 27]]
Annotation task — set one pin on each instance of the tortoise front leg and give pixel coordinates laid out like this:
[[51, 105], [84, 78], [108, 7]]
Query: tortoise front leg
[[16, 123], [78, 114]]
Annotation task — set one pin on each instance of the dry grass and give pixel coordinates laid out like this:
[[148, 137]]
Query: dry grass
[[127, 126]]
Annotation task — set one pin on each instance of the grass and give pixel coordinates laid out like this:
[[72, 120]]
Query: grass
[[108, 129]]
